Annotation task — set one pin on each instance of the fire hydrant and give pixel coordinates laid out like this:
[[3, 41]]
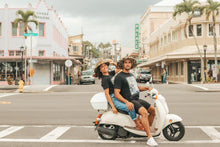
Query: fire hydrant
[[21, 86]]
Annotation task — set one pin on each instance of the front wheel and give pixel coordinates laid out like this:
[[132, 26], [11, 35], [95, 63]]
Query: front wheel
[[174, 131]]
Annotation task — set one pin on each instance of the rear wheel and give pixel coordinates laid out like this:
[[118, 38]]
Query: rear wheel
[[174, 131], [108, 136]]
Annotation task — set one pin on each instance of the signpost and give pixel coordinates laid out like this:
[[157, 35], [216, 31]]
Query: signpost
[[30, 35], [68, 64], [137, 36]]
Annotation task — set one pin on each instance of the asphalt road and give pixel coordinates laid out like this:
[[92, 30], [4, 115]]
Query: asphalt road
[[64, 112]]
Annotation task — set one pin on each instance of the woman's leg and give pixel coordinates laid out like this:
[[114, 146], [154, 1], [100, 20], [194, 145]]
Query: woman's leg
[[120, 105]]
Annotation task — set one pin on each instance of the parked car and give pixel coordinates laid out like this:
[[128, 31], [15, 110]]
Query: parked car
[[144, 75], [86, 77]]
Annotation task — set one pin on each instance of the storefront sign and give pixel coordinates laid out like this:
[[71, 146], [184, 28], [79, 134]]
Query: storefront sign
[[137, 36]]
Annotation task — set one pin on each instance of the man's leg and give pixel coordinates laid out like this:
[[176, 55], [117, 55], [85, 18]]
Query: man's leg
[[151, 116], [144, 120]]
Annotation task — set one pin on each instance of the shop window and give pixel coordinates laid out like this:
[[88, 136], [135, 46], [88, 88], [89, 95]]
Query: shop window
[[56, 72], [182, 68], [42, 29], [210, 30], [11, 53], [199, 30], [190, 30], [41, 53], [0, 29], [177, 69], [2, 71], [1, 53]]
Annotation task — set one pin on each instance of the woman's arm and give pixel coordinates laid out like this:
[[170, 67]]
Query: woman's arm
[[110, 100]]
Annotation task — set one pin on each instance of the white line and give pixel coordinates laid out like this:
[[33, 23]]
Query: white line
[[48, 88], [109, 141], [9, 131], [9, 94], [56, 133], [211, 132], [199, 87]]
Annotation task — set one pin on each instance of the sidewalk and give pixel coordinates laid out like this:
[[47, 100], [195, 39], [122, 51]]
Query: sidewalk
[[207, 87]]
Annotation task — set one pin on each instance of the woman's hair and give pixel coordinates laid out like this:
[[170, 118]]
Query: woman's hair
[[98, 73]]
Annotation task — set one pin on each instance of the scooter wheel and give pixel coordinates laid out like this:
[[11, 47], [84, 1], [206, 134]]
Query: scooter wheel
[[174, 131], [107, 136]]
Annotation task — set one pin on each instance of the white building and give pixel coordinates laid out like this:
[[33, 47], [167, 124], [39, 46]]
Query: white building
[[49, 49]]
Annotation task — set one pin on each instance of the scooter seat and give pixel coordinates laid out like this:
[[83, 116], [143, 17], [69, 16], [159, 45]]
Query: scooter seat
[[123, 112]]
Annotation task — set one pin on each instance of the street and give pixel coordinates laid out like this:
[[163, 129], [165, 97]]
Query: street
[[63, 117]]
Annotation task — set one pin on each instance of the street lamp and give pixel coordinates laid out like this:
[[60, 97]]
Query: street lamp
[[22, 51], [205, 48]]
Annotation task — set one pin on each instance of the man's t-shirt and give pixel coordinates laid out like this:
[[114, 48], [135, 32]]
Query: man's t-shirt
[[107, 83], [127, 84]]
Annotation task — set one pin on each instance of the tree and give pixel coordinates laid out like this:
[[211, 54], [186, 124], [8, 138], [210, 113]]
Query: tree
[[103, 48], [212, 9], [90, 49], [191, 8], [26, 18]]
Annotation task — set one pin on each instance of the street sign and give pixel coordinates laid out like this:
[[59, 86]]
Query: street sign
[[31, 34], [137, 36], [68, 63]]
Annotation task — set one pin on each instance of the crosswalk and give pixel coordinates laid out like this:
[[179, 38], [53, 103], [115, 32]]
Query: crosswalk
[[87, 134]]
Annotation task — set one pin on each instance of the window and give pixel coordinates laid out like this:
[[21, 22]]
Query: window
[[21, 29], [1, 53], [42, 29], [18, 53], [0, 29], [11, 53], [190, 30], [14, 30], [199, 30], [75, 48], [41, 53], [210, 30], [182, 68]]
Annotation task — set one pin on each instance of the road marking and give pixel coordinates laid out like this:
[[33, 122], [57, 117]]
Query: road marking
[[9, 131], [48, 88], [8, 94], [211, 132], [199, 87], [5, 102], [109, 141], [56, 133]]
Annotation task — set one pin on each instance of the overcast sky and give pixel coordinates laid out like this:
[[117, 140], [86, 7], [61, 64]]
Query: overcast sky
[[100, 20]]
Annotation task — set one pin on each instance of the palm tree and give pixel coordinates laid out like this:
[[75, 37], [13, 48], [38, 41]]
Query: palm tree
[[25, 17], [212, 9], [191, 8]]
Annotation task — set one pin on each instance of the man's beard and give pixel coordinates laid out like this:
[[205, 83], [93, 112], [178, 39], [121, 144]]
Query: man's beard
[[127, 69]]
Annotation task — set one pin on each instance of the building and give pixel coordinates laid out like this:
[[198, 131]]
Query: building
[[169, 48], [49, 49]]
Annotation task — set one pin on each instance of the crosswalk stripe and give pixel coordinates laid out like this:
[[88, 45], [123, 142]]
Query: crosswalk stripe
[[56, 133], [9, 131], [211, 132]]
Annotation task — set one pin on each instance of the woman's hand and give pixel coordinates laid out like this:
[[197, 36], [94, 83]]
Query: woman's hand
[[114, 110]]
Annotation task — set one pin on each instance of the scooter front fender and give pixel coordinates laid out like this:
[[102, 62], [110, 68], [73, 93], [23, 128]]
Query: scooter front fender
[[171, 118], [118, 119]]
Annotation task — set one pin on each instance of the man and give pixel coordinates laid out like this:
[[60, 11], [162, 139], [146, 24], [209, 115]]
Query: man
[[127, 91]]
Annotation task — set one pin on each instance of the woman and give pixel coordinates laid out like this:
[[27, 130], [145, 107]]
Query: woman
[[102, 72]]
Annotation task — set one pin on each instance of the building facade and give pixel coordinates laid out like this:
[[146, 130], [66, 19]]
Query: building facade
[[49, 50], [171, 49]]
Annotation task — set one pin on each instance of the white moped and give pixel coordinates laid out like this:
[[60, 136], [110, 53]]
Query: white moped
[[111, 126]]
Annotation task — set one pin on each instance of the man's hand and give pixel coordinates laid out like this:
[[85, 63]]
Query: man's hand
[[149, 88], [130, 106], [114, 110]]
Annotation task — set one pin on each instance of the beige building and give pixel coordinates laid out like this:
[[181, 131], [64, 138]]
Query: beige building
[[169, 48]]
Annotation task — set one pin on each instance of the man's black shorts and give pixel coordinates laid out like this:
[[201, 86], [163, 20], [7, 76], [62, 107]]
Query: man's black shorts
[[140, 103]]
